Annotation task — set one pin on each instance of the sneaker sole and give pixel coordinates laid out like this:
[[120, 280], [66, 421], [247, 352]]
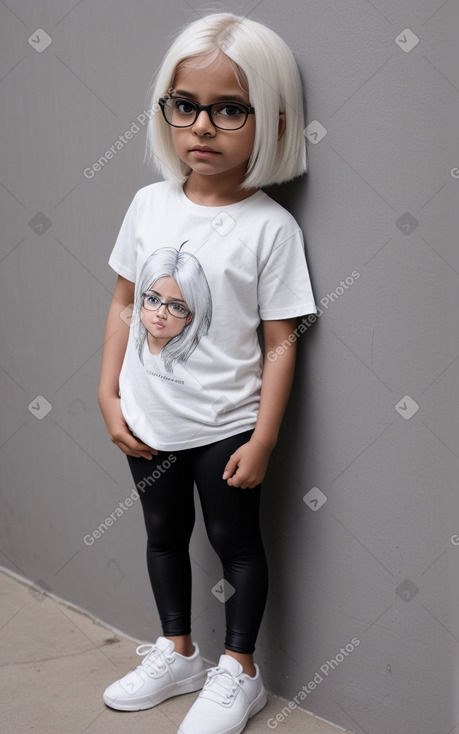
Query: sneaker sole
[[259, 703], [146, 702]]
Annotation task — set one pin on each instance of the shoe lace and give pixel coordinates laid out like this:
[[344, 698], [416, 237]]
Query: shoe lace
[[223, 681], [154, 658]]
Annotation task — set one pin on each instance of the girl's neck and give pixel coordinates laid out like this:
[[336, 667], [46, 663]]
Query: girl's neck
[[207, 191]]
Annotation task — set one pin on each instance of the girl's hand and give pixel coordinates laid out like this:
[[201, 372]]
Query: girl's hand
[[119, 431], [246, 468]]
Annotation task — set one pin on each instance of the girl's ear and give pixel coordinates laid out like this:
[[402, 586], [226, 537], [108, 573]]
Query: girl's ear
[[281, 125], [189, 319]]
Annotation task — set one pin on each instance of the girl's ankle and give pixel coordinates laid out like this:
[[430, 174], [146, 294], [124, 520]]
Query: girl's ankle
[[183, 645]]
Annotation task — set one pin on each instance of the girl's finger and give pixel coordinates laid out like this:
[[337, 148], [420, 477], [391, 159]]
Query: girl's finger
[[140, 447], [231, 467], [138, 450]]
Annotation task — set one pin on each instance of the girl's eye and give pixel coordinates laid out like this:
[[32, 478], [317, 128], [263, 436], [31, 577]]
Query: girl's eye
[[230, 110], [177, 308], [184, 107]]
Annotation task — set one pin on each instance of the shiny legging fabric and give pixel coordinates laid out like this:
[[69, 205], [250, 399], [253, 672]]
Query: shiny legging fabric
[[231, 517]]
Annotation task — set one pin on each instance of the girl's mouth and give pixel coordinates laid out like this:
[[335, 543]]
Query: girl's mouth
[[202, 151]]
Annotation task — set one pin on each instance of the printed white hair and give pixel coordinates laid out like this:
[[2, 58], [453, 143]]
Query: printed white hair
[[262, 60]]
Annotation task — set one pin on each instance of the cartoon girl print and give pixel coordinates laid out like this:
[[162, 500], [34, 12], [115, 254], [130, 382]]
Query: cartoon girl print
[[174, 302]]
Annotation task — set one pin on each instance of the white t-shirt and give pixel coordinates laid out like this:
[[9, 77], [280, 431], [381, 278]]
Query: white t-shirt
[[234, 265]]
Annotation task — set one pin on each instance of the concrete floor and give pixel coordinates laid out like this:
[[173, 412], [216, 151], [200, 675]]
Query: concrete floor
[[56, 663]]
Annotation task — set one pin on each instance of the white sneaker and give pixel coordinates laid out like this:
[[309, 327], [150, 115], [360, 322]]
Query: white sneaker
[[229, 698], [163, 673]]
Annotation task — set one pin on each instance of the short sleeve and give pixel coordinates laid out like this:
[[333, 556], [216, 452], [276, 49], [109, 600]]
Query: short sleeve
[[124, 253], [284, 285]]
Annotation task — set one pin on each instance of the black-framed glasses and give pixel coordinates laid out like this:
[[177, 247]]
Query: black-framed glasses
[[153, 303], [181, 112]]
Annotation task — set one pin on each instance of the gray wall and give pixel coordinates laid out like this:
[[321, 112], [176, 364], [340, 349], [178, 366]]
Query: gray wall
[[369, 563]]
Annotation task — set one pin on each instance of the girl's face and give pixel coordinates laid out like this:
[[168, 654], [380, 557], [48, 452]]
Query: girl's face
[[161, 324], [228, 151]]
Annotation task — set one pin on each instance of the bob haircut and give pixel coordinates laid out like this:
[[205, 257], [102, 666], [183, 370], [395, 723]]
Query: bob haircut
[[190, 278], [264, 64]]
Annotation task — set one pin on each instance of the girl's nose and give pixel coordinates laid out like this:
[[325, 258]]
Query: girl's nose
[[203, 124], [162, 311]]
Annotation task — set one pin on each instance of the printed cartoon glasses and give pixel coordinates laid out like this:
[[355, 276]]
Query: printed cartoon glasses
[[227, 115], [153, 303]]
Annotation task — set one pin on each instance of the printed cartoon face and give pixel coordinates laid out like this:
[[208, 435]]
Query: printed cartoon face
[[207, 149], [164, 313], [175, 305]]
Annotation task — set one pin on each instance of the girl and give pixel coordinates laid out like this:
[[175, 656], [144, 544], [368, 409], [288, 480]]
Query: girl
[[228, 119]]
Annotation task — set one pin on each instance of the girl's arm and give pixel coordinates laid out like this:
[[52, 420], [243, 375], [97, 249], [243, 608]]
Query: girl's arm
[[115, 342], [247, 466]]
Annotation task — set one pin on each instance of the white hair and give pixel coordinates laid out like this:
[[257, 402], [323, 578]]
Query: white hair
[[261, 60]]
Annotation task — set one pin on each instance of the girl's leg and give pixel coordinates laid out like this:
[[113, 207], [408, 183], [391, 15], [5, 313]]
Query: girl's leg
[[231, 515], [166, 493]]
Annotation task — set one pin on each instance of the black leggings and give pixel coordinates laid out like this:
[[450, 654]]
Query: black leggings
[[231, 516]]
